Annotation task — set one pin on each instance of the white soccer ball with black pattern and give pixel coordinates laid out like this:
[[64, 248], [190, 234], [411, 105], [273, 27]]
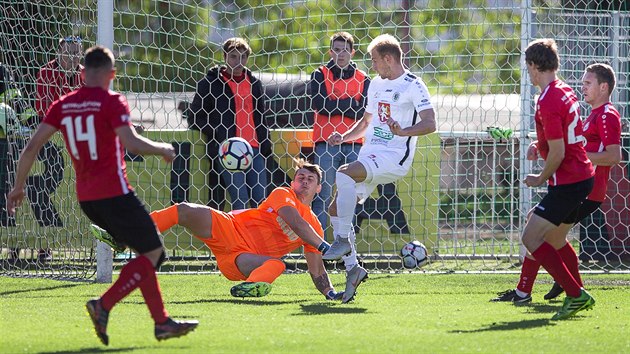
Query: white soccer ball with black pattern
[[236, 154], [414, 255]]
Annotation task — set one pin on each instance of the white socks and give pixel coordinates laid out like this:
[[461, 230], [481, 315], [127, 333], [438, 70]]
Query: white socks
[[346, 202], [351, 260], [334, 223], [342, 223]]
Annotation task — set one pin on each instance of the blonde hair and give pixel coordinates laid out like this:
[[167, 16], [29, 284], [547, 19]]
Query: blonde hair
[[386, 44]]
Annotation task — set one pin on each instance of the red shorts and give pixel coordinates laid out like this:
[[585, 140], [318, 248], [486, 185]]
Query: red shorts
[[226, 244]]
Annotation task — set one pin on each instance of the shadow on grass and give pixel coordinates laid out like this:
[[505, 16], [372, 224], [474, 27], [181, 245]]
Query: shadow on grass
[[60, 286], [98, 350], [509, 326], [328, 308], [549, 308], [253, 302]]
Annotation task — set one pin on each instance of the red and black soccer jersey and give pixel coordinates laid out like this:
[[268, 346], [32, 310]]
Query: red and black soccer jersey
[[558, 117], [602, 128], [87, 118]]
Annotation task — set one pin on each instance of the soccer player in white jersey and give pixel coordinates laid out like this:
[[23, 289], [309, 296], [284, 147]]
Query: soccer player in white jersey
[[400, 104]]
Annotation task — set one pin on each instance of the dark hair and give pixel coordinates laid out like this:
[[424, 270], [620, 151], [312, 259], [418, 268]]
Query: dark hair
[[302, 163], [99, 57], [604, 74], [543, 54], [342, 37], [236, 43]]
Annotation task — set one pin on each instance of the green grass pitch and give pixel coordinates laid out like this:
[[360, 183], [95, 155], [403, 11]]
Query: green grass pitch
[[406, 313]]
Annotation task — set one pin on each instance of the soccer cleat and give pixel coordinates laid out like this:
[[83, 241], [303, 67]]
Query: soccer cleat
[[556, 290], [174, 329], [99, 317], [354, 278], [573, 305], [511, 296], [102, 235], [339, 248], [251, 289]]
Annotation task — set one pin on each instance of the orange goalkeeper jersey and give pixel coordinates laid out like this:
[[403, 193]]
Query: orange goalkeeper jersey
[[266, 233]]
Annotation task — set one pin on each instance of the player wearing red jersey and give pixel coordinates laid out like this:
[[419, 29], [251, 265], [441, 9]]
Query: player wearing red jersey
[[248, 244], [96, 126], [567, 170], [602, 130]]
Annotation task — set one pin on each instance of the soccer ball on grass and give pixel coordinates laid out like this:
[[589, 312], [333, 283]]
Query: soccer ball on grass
[[414, 255], [236, 154]]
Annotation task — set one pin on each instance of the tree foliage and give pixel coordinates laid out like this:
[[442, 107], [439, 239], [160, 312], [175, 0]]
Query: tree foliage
[[459, 46]]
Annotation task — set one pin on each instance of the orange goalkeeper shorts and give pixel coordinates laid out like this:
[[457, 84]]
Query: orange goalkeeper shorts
[[226, 244]]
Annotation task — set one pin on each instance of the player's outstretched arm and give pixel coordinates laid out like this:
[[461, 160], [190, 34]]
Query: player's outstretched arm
[[25, 163], [320, 277], [142, 146]]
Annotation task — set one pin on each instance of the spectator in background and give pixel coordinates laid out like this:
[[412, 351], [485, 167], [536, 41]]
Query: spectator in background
[[58, 77], [337, 91], [229, 102]]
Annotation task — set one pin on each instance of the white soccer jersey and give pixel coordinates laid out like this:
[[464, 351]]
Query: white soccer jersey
[[400, 99]]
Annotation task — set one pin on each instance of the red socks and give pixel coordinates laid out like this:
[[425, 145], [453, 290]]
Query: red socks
[[529, 271], [152, 294], [549, 258], [137, 273], [570, 259]]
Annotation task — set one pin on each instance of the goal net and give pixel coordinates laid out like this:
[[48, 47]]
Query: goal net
[[462, 198]]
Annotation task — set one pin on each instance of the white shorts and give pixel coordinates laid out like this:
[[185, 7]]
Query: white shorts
[[382, 167]]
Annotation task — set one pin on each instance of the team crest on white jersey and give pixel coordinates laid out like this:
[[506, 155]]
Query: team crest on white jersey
[[384, 111]]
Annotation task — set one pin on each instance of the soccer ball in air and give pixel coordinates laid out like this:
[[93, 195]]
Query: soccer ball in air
[[236, 154], [414, 255]]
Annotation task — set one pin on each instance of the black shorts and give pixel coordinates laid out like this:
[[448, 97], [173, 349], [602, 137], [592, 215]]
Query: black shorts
[[587, 208], [562, 203], [126, 219]]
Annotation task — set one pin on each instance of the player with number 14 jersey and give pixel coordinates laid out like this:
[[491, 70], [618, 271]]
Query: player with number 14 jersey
[[91, 114]]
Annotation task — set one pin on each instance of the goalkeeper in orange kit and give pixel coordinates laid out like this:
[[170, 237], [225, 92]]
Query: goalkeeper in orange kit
[[249, 243]]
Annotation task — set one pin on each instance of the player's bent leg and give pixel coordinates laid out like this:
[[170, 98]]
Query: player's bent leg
[[269, 271], [196, 218], [534, 233], [260, 271]]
